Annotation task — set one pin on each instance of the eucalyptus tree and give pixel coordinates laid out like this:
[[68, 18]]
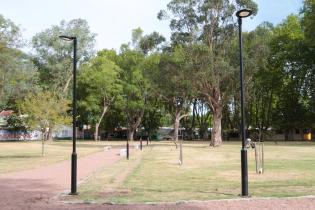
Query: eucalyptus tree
[[209, 24], [171, 84], [18, 76], [98, 87], [53, 56]]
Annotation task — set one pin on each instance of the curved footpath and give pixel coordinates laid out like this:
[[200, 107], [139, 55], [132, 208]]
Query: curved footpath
[[38, 189]]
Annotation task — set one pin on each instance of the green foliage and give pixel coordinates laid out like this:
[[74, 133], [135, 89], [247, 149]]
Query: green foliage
[[134, 85], [206, 29], [98, 87], [308, 21], [10, 34], [147, 43], [16, 123], [293, 99], [261, 78], [53, 56], [44, 109], [171, 81], [17, 74]]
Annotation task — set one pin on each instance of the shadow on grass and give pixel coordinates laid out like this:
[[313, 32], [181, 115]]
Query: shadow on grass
[[19, 156]]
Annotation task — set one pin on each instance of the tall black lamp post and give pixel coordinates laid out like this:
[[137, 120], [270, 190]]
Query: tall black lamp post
[[244, 167], [74, 115]]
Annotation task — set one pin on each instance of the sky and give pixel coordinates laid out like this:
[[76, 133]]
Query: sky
[[113, 20]]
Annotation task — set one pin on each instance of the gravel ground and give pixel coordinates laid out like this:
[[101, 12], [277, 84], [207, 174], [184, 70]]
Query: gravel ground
[[39, 189]]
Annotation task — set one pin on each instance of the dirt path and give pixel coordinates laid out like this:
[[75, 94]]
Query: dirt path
[[24, 189], [37, 189]]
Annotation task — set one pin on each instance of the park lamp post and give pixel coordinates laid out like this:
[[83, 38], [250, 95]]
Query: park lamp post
[[74, 115], [244, 167]]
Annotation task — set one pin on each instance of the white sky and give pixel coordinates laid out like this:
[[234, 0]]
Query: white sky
[[113, 20]]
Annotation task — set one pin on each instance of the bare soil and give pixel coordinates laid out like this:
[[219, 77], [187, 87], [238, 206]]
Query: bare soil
[[40, 189]]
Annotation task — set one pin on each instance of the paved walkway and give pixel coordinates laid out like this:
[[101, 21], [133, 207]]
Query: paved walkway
[[24, 189]]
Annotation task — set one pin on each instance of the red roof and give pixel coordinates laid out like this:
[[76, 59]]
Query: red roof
[[6, 113]]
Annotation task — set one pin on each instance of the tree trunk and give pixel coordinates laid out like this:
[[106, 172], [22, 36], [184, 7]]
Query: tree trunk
[[65, 88], [301, 133], [96, 131], [286, 135], [260, 134], [43, 148], [131, 132], [291, 134], [134, 125], [44, 137], [176, 127], [192, 128], [216, 137], [214, 100], [97, 125], [49, 135], [178, 117]]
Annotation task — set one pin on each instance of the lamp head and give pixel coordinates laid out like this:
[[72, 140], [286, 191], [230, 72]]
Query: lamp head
[[243, 13], [67, 38]]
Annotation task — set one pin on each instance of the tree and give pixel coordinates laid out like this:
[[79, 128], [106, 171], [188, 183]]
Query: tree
[[308, 21], [308, 26], [10, 34], [262, 79], [210, 24], [18, 75], [98, 88], [153, 114], [53, 55], [134, 88], [293, 97], [43, 110], [171, 84]]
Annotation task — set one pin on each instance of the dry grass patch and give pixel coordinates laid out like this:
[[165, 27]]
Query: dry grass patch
[[16, 156], [206, 173]]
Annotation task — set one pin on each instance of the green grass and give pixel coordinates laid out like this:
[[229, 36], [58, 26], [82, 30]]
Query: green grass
[[16, 156], [154, 175]]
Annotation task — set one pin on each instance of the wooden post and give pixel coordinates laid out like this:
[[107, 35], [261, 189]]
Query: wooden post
[[263, 157], [180, 152], [256, 157]]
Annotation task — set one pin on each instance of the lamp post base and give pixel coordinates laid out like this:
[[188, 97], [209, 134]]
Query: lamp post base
[[74, 174], [244, 174]]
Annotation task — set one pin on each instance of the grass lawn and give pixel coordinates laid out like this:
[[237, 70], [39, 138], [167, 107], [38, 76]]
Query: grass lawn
[[15, 156], [153, 175]]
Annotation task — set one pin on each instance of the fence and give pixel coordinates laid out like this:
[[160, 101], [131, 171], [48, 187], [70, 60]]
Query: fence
[[6, 135]]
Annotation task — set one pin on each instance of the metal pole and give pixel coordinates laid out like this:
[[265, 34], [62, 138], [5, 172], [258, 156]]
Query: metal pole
[[140, 143], [244, 166], [74, 122]]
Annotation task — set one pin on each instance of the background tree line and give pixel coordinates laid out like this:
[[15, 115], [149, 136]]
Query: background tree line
[[190, 80]]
